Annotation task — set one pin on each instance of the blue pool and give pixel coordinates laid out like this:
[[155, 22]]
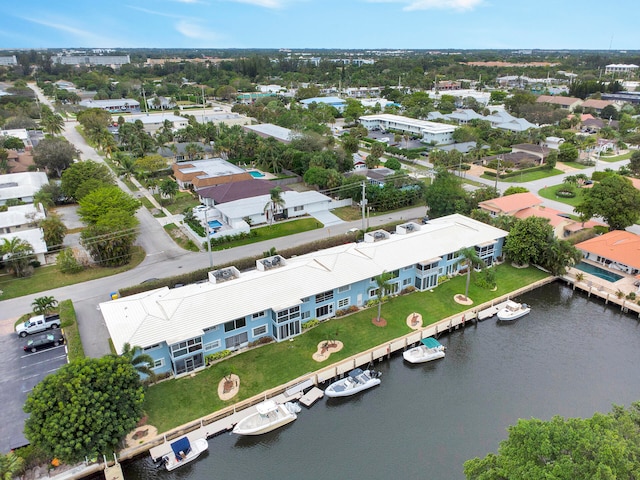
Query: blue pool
[[256, 174], [214, 224], [599, 272]]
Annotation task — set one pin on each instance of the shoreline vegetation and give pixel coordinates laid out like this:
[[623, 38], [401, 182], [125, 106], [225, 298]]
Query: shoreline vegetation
[[175, 402]]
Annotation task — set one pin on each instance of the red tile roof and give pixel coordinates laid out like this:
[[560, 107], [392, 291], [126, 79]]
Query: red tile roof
[[511, 204], [619, 246]]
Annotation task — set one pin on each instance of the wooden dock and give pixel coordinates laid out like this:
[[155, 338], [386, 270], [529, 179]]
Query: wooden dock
[[491, 311], [311, 397]]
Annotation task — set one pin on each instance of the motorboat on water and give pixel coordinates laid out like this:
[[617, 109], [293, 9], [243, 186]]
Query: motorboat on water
[[356, 381], [512, 311], [269, 416], [183, 451], [429, 349]]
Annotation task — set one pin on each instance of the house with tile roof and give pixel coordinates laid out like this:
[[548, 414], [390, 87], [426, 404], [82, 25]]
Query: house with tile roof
[[230, 192], [539, 151], [179, 327], [597, 105], [570, 103], [619, 250]]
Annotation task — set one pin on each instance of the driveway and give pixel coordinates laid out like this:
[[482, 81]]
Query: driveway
[[328, 219]]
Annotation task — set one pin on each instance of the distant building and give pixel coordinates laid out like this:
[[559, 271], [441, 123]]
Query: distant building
[[430, 132], [597, 105], [120, 105], [570, 103], [266, 130], [620, 68], [336, 102], [8, 61], [155, 121], [114, 61]]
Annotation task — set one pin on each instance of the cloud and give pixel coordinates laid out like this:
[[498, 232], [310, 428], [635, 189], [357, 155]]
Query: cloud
[[457, 5], [196, 31], [155, 12], [263, 3], [83, 37]]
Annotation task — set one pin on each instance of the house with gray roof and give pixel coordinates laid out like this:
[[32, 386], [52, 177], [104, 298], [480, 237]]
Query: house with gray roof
[[21, 186], [336, 102], [230, 192], [266, 130]]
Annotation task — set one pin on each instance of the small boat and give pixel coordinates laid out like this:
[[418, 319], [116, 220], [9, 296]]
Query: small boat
[[430, 349], [356, 381], [269, 416], [184, 452], [513, 310]]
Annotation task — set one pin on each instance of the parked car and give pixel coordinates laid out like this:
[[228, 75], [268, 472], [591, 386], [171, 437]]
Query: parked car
[[44, 341]]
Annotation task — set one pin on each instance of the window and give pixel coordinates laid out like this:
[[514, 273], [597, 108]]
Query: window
[[406, 281], [235, 324], [236, 340], [450, 256], [255, 316], [152, 347], [394, 274], [324, 296], [305, 315], [305, 299], [158, 363], [288, 314], [324, 311], [190, 346], [210, 329], [410, 267], [345, 288], [373, 292], [344, 302], [211, 345], [298, 208], [258, 331]]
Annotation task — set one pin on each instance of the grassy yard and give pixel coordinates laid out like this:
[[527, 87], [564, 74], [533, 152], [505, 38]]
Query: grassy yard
[[528, 177], [175, 402], [616, 158], [279, 229], [577, 165], [180, 238], [180, 202], [47, 278], [550, 194]]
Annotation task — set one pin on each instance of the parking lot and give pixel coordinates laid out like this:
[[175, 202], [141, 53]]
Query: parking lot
[[390, 140], [21, 372]]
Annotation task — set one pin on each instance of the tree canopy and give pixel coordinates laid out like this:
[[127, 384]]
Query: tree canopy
[[84, 409], [445, 195], [78, 173], [55, 154], [615, 199], [605, 446], [105, 200]]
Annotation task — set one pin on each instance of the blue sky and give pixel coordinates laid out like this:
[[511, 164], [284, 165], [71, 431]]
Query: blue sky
[[401, 24]]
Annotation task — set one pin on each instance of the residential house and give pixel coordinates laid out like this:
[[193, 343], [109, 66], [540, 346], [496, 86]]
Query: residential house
[[206, 173], [21, 186], [120, 105], [597, 105], [539, 151], [177, 152], [155, 121], [464, 116], [570, 103], [266, 130], [230, 192], [430, 132], [359, 162], [19, 161], [553, 143], [21, 221], [617, 250], [336, 102], [160, 103], [179, 327]]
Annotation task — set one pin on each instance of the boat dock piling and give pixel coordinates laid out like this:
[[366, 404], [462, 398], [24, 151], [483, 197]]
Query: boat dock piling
[[311, 397], [113, 472]]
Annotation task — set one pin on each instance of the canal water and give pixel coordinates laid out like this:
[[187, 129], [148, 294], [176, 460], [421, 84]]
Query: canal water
[[571, 356]]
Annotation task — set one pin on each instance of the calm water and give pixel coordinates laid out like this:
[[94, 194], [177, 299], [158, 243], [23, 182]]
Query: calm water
[[571, 356]]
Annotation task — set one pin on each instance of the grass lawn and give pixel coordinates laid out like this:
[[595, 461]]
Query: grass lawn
[[279, 229], [181, 201], [616, 158], [550, 194], [175, 402], [577, 165], [528, 177], [180, 238], [47, 278]]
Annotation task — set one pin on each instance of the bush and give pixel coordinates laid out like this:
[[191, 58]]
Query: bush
[[67, 262], [409, 289], [230, 238], [346, 311], [71, 332], [261, 341], [310, 324], [631, 296], [217, 356]]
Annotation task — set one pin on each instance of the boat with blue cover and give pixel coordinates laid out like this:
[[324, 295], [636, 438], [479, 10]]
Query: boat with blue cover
[[429, 349], [183, 451], [356, 381]]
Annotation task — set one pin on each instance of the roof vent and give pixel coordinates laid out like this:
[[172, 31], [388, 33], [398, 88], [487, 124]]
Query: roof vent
[[270, 263], [224, 274], [376, 236], [407, 228]]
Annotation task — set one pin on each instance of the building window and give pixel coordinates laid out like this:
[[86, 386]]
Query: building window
[[258, 331], [152, 347], [324, 296], [288, 314], [158, 363], [373, 293], [210, 329], [190, 346], [255, 316], [305, 315], [211, 345], [345, 288], [298, 208], [410, 267], [324, 311], [406, 281], [235, 324], [236, 340], [344, 302]]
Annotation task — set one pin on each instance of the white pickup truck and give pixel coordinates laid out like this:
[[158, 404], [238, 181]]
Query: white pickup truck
[[37, 324]]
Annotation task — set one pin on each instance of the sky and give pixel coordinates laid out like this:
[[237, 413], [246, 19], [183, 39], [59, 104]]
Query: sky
[[341, 24]]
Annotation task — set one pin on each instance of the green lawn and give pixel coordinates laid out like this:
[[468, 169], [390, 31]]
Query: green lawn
[[615, 158], [181, 201], [528, 177], [279, 229], [175, 402], [577, 165], [550, 194], [47, 278]]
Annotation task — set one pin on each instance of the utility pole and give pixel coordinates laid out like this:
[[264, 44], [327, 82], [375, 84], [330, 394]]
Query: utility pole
[[364, 199], [206, 220], [497, 173]]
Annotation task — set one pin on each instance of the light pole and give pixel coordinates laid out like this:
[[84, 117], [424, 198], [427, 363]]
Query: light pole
[[497, 173], [206, 220]]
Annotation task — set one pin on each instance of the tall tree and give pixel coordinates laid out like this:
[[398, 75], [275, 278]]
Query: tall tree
[[527, 240], [469, 258], [110, 239], [17, 254], [140, 360], [54, 231], [445, 195], [382, 282], [43, 305], [105, 200], [80, 172], [85, 409], [52, 123], [275, 202], [615, 199], [55, 154]]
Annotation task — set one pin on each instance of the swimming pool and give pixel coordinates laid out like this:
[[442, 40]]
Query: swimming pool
[[599, 272], [256, 174], [214, 224]]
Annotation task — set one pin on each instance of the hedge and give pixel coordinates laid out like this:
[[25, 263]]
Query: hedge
[[71, 332], [515, 173]]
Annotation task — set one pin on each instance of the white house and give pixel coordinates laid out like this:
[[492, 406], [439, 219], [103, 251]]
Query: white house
[[430, 132], [21, 186], [155, 121]]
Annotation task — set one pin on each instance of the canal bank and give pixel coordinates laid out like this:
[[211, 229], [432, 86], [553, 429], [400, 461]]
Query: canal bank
[[571, 356]]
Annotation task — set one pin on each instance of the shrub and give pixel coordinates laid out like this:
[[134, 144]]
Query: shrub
[[67, 262], [409, 289], [631, 296], [310, 324], [261, 341], [217, 356], [565, 193], [346, 311]]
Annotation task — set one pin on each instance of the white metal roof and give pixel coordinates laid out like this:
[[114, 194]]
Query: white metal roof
[[20, 215], [255, 205], [153, 317], [34, 236], [21, 185]]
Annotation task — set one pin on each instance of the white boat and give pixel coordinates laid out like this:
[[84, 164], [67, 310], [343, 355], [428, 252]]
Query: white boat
[[269, 416], [513, 310], [430, 349], [356, 381], [183, 452]]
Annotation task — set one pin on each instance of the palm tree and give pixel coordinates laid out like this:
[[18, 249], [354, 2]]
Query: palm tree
[[140, 361], [469, 258], [10, 465], [43, 305], [382, 281], [274, 202], [168, 188], [18, 254], [52, 123], [128, 166]]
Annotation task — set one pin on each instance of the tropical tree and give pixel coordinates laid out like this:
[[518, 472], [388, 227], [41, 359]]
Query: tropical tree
[[127, 166], [17, 253], [527, 240], [445, 195], [382, 282], [55, 154], [110, 239], [141, 361], [54, 231], [85, 409], [10, 466], [81, 172], [615, 199], [275, 202], [106, 200], [43, 305], [52, 123], [468, 259], [168, 188]]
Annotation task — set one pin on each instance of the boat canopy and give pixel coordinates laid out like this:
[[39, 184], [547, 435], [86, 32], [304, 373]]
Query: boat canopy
[[431, 342], [355, 372], [266, 407], [181, 445]]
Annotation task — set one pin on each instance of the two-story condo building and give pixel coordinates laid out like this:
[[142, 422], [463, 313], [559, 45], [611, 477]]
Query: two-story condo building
[[179, 327], [431, 132]]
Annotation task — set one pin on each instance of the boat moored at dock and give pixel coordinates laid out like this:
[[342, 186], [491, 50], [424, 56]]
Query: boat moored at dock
[[513, 310], [269, 416], [356, 381], [429, 349], [183, 451]]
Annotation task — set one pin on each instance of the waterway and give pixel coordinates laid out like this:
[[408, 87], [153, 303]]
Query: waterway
[[571, 356]]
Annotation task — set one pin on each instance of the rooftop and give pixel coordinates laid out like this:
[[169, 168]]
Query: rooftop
[[619, 246]]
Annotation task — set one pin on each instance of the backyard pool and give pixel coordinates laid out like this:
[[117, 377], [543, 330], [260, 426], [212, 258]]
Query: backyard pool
[[214, 224], [599, 272], [256, 174]]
